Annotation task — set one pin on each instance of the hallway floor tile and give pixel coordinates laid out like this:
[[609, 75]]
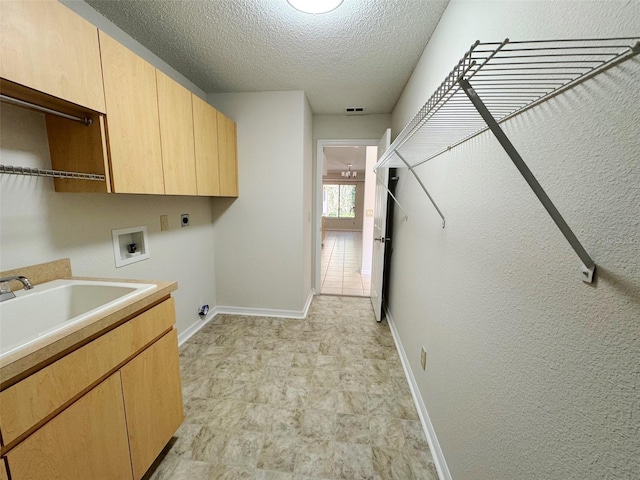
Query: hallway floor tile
[[341, 262]]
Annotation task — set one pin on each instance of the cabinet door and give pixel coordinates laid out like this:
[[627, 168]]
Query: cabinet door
[[205, 132], [153, 401], [133, 126], [47, 47], [87, 440], [176, 137], [228, 157], [76, 148], [3, 470]]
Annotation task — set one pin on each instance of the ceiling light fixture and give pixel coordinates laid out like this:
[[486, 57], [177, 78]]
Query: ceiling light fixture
[[315, 6], [349, 173]]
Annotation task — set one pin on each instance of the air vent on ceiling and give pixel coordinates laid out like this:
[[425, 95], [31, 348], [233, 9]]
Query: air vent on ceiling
[[354, 110]]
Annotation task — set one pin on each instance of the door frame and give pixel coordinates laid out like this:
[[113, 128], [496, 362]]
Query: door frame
[[316, 281]]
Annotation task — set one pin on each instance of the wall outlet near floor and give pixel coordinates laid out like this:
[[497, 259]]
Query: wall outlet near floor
[[423, 358], [164, 222], [184, 220]]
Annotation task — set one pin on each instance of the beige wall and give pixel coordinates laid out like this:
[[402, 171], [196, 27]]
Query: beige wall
[[260, 251], [531, 374]]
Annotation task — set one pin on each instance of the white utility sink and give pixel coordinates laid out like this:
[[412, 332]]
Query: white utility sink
[[54, 306]]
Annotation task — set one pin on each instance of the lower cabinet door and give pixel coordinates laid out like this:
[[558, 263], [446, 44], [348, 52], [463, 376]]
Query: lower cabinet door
[[153, 401], [3, 470], [88, 440]]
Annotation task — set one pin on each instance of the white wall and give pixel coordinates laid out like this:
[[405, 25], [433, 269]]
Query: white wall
[[531, 374], [260, 250], [38, 225]]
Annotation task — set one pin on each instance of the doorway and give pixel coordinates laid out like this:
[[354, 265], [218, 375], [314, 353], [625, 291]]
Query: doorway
[[343, 216]]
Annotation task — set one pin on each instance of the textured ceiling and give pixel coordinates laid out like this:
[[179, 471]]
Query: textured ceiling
[[361, 54]]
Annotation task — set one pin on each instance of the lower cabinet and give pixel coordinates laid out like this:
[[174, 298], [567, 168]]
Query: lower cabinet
[[153, 401], [88, 440], [3, 470], [116, 429]]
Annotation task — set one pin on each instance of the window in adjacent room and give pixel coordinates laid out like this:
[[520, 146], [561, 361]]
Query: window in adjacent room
[[339, 201]]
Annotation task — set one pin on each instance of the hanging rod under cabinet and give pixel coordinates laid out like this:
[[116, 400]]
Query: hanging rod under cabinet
[[38, 172], [87, 121]]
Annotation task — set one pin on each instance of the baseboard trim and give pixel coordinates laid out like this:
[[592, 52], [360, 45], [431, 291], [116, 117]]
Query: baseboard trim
[[254, 312], [429, 432], [343, 230], [195, 328], [268, 312]]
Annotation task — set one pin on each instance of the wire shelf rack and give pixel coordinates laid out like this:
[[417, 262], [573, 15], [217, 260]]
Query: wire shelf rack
[[492, 83], [509, 77]]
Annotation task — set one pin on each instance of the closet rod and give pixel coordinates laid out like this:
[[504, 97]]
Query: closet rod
[[21, 103], [38, 172]]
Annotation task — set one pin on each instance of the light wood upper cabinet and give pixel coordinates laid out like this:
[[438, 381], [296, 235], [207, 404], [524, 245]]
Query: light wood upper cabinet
[[228, 156], [87, 440], [133, 125], [205, 132], [150, 134], [153, 401], [176, 137], [47, 47]]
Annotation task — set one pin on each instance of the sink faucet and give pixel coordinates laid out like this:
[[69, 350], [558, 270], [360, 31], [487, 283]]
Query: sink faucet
[[5, 290]]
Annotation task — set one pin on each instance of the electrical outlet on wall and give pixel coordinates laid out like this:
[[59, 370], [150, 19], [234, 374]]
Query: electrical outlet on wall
[[423, 358], [184, 220]]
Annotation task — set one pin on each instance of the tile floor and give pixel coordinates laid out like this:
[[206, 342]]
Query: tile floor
[[279, 399], [340, 263]]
